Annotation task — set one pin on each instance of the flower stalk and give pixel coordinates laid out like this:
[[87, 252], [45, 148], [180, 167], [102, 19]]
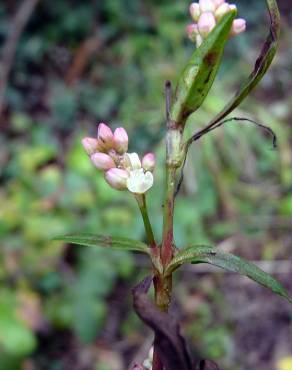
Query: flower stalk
[[141, 200]]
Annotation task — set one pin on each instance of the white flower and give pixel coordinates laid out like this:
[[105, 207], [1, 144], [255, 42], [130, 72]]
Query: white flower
[[132, 161], [139, 181]]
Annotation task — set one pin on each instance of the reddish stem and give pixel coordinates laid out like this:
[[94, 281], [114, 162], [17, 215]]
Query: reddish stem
[[167, 243], [157, 364]]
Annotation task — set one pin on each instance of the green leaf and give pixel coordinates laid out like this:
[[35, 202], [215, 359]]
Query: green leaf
[[262, 64], [91, 240], [200, 72], [229, 262]]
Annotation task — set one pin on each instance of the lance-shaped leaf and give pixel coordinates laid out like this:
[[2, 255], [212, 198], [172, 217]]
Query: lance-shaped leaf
[[105, 242], [262, 64], [229, 262], [199, 74]]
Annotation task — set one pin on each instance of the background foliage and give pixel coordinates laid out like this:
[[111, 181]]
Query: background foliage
[[79, 63]]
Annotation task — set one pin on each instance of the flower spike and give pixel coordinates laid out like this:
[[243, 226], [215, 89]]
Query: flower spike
[[122, 170], [206, 14]]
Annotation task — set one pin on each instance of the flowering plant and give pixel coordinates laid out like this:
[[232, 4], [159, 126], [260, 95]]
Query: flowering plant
[[214, 22]]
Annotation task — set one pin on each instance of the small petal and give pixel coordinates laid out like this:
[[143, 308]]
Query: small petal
[[192, 31], [199, 40], [121, 140], [139, 182], [206, 23], [207, 5], [105, 135], [195, 11], [238, 26], [90, 145], [148, 162], [132, 161], [117, 178], [102, 161]]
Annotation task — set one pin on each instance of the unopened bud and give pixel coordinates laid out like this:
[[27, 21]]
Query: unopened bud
[[148, 162], [222, 10], [117, 178], [238, 26], [206, 23], [218, 3], [121, 140], [192, 31], [105, 136], [102, 161], [195, 11], [207, 5], [90, 145]]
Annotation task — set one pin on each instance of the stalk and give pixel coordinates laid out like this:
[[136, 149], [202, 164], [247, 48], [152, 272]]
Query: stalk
[[159, 291], [162, 256], [162, 284], [167, 237], [141, 200], [173, 162]]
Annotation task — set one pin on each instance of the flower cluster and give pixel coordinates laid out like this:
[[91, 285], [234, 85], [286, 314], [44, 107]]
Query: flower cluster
[[206, 14], [122, 170]]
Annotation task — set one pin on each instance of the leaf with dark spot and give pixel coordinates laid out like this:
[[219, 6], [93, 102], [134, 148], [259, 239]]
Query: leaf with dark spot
[[200, 72], [262, 64]]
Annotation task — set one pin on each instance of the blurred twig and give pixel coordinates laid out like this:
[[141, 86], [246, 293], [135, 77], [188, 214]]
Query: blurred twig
[[17, 25], [86, 50]]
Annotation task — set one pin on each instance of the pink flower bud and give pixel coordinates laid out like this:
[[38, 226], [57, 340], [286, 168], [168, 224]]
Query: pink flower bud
[[232, 7], [105, 136], [117, 178], [90, 145], [148, 162], [206, 23], [238, 26], [192, 31], [102, 161], [195, 11], [222, 10], [207, 5], [121, 140], [218, 3]]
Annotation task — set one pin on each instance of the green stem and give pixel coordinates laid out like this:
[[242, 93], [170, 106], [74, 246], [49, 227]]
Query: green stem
[[162, 284], [141, 200], [167, 244]]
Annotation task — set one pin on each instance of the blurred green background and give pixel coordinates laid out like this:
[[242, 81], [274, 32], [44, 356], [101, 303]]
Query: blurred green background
[[82, 62]]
